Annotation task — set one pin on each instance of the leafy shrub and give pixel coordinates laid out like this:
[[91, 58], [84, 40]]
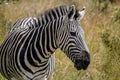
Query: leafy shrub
[[117, 14], [111, 42], [105, 37], [3, 1], [111, 56], [103, 4], [6, 1]]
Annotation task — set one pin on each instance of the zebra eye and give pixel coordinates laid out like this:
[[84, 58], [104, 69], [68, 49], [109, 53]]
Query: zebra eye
[[73, 33]]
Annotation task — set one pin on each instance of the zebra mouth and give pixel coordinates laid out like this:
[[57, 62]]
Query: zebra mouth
[[81, 64], [78, 67]]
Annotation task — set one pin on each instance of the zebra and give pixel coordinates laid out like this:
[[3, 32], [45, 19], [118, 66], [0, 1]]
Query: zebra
[[28, 51]]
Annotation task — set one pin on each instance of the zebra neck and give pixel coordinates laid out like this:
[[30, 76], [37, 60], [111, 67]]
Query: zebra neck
[[47, 38], [46, 42]]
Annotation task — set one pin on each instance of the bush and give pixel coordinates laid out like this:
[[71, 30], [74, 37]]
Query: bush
[[103, 4], [117, 14], [105, 37], [111, 56], [111, 42], [6, 1]]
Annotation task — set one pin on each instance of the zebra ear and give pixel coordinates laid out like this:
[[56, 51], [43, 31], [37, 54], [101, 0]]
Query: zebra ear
[[71, 12], [80, 14]]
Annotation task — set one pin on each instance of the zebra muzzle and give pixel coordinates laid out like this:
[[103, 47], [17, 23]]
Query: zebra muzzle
[[82, 62]]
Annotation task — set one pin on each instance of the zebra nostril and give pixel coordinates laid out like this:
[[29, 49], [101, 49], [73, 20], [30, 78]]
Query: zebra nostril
[[85, 55]]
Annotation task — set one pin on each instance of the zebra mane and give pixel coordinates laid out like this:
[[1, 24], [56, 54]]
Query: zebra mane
[[53, 14]]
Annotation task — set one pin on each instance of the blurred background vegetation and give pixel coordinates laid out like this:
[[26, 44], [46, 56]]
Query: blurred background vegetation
[[101, 24]]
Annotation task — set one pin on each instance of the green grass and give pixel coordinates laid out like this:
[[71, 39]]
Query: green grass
[[101, 34]]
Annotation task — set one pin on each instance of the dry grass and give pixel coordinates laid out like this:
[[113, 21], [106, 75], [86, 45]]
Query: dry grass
[[93, 24]]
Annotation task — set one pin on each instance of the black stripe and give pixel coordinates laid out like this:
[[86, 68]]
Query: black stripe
[[46, 18], [38, 43], [51, 37], [39, 22], [50, 16], [43, 42], [54, 15], [48, 38], [58, 12]]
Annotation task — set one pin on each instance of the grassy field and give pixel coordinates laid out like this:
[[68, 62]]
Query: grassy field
[[101, 24]]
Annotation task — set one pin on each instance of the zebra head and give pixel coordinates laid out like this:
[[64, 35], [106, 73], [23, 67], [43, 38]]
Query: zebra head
[[71, 39]]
